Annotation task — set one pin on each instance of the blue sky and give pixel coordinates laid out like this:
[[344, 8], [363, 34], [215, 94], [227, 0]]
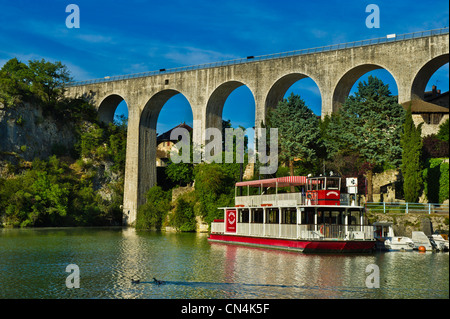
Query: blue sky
[[122, 37]]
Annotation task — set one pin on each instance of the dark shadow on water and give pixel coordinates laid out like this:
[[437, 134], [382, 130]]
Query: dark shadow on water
[[225, 285]]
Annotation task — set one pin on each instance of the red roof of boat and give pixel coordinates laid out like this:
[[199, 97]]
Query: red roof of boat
[[272, 182]]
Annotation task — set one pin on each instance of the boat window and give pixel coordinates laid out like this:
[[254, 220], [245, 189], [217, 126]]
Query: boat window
[[272, 216], [243, 216], [308, 216], [258, 216], [332, 183], [320, 217], [336, 218], [354, 217], [289, 216]]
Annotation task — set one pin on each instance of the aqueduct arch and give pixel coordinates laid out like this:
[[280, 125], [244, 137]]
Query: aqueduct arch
[[346, 82], [423, 75], [108, 106]]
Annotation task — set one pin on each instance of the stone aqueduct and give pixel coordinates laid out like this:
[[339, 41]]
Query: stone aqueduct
[[411, 60]]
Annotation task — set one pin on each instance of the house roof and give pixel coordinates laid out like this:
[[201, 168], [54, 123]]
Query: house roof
[[421, 106], [164, 137]]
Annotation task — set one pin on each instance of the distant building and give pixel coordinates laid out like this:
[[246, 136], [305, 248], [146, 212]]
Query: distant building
[[435, 97], [432, 111], [164, 145]]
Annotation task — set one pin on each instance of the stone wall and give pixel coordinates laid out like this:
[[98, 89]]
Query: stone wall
[[384, 186], [405, 224]]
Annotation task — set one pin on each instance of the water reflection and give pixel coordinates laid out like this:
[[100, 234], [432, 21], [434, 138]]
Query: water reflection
[[33, 262]]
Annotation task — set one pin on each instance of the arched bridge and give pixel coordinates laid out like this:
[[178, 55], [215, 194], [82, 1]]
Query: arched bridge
[[411, 59]]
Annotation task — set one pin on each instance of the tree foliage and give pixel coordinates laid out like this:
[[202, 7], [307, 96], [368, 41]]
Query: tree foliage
[[411, 142], [52, 194], [370, 123], [443, 132], [154, 211], [40, 80], [434, 147], [214, 188], [298, 130], [57, 192]]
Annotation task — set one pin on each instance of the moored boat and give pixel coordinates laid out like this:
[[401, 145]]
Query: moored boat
[[421, 240], [441, 243], [386, 239], [317, 218]]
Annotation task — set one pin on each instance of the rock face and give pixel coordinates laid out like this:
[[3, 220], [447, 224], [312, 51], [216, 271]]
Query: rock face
[[405, 224], [26, 132]]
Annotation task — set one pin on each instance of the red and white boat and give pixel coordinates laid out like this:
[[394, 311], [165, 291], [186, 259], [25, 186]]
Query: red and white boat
[[319, 218]]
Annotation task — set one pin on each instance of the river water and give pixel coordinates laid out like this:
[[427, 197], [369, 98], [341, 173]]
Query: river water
[[33, 265]]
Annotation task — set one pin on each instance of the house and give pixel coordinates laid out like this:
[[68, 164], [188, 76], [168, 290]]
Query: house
[[164, 145], [432, 111]]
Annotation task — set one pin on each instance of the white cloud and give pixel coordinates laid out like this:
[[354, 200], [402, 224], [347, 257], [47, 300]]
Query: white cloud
[[185, 56]]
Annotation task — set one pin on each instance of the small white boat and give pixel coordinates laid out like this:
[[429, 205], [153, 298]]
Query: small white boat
[[441, 243], [386, 240], [420, 239]]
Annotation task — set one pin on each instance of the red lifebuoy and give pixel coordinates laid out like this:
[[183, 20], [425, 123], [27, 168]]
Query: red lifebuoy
[[321, 229]]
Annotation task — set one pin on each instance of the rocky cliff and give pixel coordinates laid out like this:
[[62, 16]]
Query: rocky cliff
[[25, 133]]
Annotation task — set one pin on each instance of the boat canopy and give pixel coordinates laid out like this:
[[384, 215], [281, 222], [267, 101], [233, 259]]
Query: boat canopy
[[276, 182]]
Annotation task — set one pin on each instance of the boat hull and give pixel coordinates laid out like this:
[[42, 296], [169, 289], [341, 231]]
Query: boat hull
[[305, 246]]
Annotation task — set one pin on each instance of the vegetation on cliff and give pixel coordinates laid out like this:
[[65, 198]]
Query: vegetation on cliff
[[77, 186]]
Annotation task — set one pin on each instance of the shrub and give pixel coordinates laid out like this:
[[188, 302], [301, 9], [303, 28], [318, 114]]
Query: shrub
[[183, 216], [154, 211], [434, 147]]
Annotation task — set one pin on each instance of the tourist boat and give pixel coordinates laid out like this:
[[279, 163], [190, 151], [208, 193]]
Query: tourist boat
[[317, 218], [386, 240]]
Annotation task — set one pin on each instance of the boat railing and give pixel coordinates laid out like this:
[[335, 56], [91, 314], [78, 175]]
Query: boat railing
[[299, 231], [287, 199], [283, 199]]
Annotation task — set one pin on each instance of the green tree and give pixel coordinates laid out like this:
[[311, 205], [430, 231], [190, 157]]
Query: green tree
[[370, 123], [41, 80], [153, 212], [214, 188], [180, 173], [183, 217], [298, 130], [14, 82], [411, 142], [48, 80], [443, 131]]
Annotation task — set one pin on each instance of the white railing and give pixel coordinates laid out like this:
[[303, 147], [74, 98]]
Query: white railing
[[283, 199], [293, 231], [427, 208], [288, 200], [217, 227]]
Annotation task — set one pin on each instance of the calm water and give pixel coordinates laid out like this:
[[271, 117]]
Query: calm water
[[33, 264]]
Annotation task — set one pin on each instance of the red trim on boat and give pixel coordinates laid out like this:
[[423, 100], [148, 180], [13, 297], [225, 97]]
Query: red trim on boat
[[333, 246]]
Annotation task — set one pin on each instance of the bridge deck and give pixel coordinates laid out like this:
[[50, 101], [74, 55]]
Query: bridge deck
[[249, 59]]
